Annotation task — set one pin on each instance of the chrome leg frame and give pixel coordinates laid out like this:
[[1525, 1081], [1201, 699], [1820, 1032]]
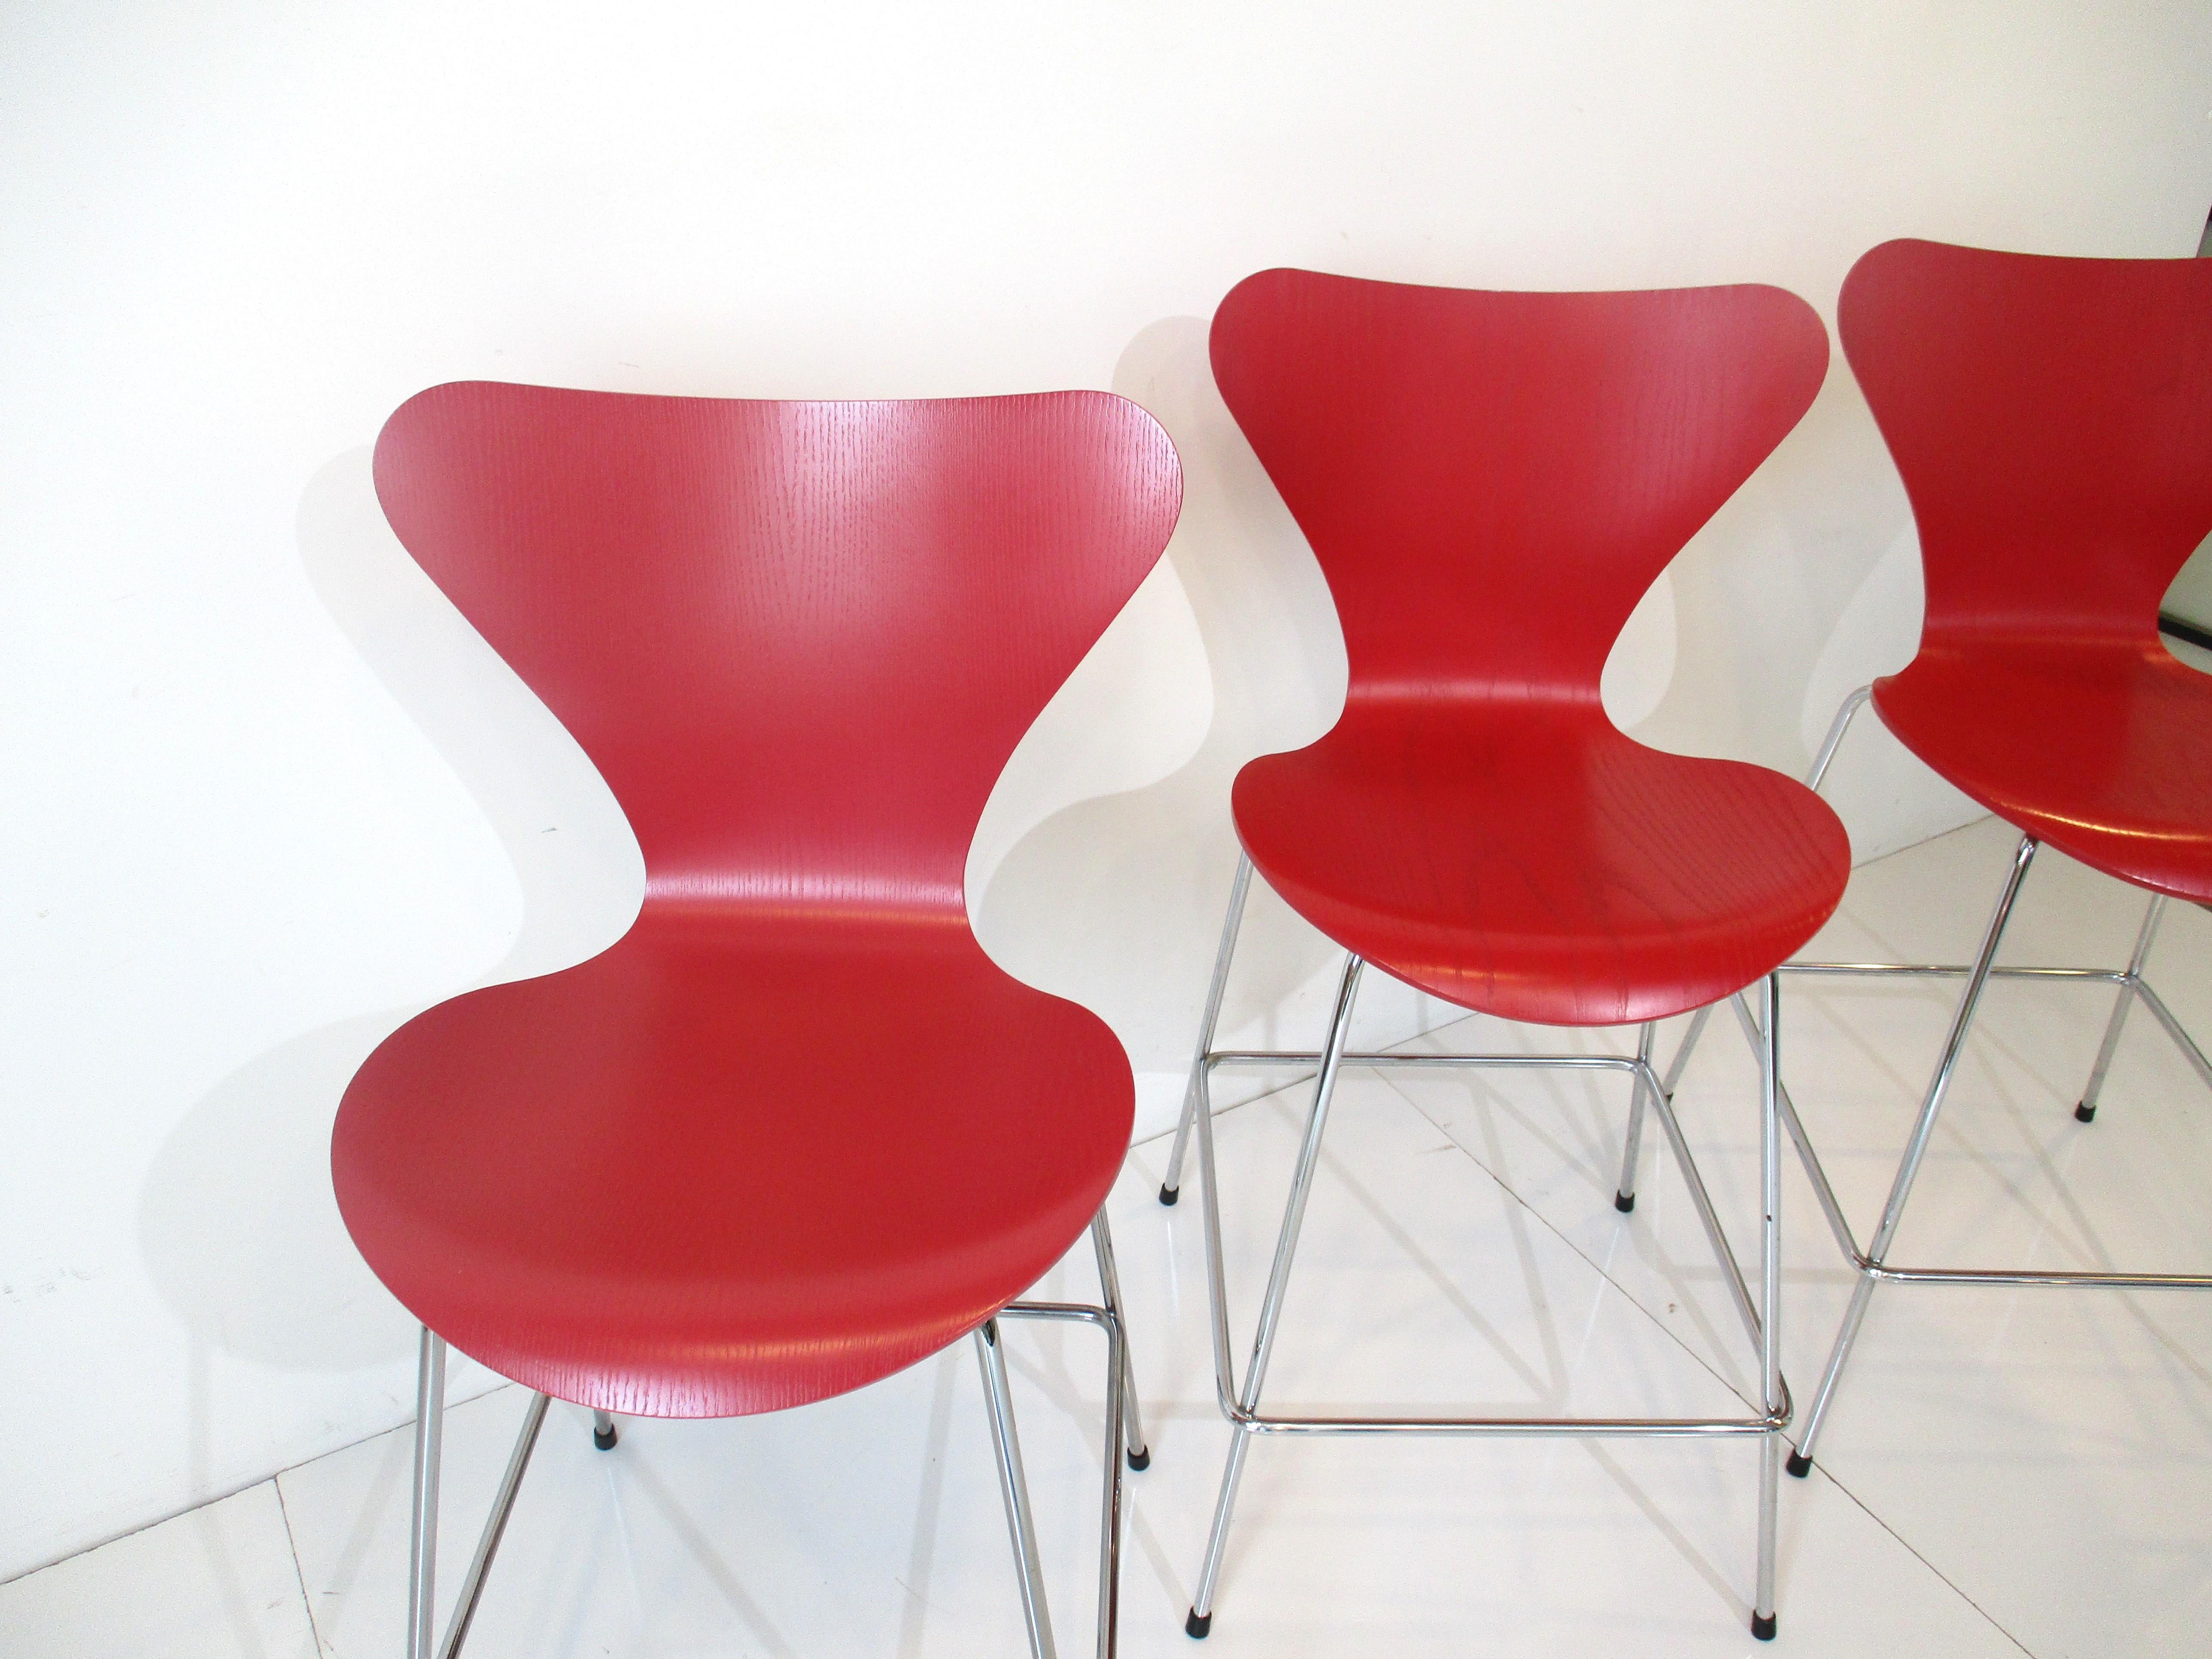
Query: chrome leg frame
[[1014, 1488], [2085, 1111], [1123, 1437], [1240, 1402], [1119, 1403], [1770, 1312], [1916, 1148], [1624, 1197], [1196, 1097], [429, 1445], [1834, 740], [429, 1448], [1278, 1278], [2129, 985], [1873, 1263], [503, 1506], [1109, 1287]]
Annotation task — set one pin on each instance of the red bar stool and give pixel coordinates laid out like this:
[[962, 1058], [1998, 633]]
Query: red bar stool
[[793, 1132], [1490, 482], [2052, 419]]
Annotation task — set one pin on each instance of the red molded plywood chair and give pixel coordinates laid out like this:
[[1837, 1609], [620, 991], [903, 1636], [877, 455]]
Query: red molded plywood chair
[[2052, 420], [1490, 482], [794, 1131]]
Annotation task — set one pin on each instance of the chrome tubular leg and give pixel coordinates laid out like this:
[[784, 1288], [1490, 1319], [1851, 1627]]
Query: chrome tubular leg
[[1893, 1212], [1840, 725], [518, 1462], [1814, 1173], [1278, 1277], [429, 1446], [2190, 1052], [2086, 1111], [1109, 1287], [1837, 728], [1624, 1195], [1702, 1201], [603, 1433], [1770, 1286], [1668, 1084], [1120, 1399], [1199, 1621], [1801, 1460], [1667, 1092], [1013, 1487], [1195, 1093]]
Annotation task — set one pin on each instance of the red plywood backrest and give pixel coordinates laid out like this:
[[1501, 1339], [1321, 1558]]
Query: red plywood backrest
[[798, 640], [1492, 480], [2052, 419]]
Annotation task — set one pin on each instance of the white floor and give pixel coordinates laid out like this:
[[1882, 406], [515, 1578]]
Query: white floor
[[2005, 1471]]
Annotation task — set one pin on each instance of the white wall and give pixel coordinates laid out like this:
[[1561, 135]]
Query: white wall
[[266, 795]]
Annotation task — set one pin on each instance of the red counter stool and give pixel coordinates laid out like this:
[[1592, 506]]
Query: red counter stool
[[2052, 419], [1490, 482], [795, 1132]]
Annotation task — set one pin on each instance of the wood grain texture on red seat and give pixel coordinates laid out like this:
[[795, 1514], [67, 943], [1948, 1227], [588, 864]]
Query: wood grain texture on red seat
[[794, 1131], [2052, 420], [1490, 482]]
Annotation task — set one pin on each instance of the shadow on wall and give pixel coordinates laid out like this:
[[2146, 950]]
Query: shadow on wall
[[237, 1222], [1805, 585], [1135, 883]]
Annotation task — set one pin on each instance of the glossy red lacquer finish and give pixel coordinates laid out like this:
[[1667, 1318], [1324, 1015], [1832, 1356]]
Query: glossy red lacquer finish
[[1491, 481], [2052, 419], [794, 1131]]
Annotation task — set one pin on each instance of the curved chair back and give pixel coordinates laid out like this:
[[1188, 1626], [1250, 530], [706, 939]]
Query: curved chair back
[[2052, 419], [1492, 480], [798, 640]]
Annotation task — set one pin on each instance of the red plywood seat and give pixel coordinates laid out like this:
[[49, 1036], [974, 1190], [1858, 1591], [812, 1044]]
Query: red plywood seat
[[1490, 482], [785, 1159], [794, 1131], [2094, 746], [1541, 866], [2052, 420]]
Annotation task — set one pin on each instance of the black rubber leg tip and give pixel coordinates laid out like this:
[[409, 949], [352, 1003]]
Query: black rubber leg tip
[[1762, 1626], [1141, 1460], [1798, 1464], [604, 1441], [1623, 1202], [1197, 1625], [2085, 1114], [1168, 1195]]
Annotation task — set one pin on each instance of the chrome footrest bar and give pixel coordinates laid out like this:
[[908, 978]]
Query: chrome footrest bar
[[1879, 1271], [1666, 1428], [1262, 1057], [1948, 970]]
